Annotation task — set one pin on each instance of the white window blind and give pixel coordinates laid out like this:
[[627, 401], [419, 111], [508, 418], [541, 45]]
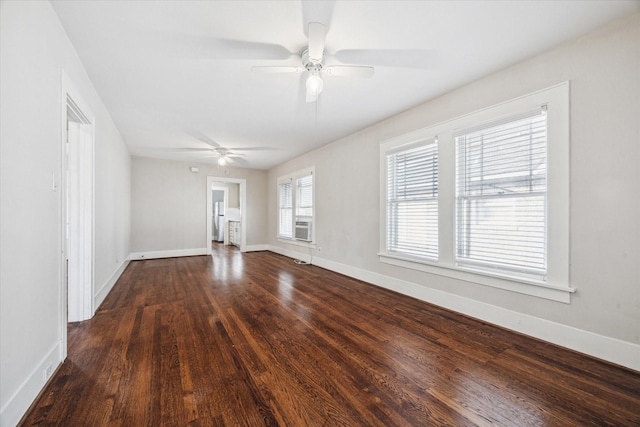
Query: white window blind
[[285, 205], [501, 191], [304, 199], [412, 201]]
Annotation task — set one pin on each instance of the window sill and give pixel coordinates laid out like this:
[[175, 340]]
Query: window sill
[[515, 284]]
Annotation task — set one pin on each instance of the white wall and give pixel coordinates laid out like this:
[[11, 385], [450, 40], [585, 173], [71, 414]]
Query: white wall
[[234, 195], [33, 51], [604, 70], [169, 205]]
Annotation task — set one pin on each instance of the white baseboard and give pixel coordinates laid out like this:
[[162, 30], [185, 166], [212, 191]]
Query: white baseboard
[[108, 285], [606, 348], [167, 254], [301, 256], [18, 404], [256, 248]]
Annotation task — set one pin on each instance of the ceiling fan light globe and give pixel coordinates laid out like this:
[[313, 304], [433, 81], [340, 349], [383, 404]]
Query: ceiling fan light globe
[[314, 84], [222, 161]]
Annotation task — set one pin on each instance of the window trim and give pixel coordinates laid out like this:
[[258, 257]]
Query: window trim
[[293, 179], [557, 285], [422, 143]]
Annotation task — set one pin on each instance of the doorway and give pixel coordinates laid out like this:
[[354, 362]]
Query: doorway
[[77, 206], [234, 210]]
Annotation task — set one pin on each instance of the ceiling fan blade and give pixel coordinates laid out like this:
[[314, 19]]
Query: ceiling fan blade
[[241, 49], [203, 138], [252, 149], [186, 149], [349, 71], [201, 46], [276, 69], [317, 38], [317, 11], [403, 58], [237, 160]]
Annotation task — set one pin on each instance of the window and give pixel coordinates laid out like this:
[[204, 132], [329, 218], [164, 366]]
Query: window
[[501, 186], [285, 220], [295, 206], [487, 201], [412, 201], [304, 199]]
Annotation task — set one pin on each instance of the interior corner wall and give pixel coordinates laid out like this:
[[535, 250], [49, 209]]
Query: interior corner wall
[[234, 195], [603, 68], [34, 50], [169, 205]]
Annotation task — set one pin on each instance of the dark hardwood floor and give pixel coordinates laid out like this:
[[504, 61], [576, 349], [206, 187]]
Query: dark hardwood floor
[[255, 339]]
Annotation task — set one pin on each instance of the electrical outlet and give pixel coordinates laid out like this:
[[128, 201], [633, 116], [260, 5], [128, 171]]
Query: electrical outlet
[[48, 371]]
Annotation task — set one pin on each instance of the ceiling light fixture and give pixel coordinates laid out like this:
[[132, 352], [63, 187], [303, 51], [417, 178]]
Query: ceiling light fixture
[[222, 161], [312, 59], [314, 83]]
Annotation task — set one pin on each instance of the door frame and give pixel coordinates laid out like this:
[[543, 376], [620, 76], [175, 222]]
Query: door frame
[[211, 180], [75, 109]]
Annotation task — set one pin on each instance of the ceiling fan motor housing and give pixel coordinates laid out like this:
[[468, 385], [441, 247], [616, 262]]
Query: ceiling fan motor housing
[[309, 63]]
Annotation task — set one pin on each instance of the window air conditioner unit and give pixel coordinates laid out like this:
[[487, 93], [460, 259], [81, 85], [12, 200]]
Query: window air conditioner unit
[[303, 230]]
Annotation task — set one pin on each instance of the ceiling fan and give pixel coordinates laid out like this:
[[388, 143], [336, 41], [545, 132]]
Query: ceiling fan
[[224, 155], [312, 59]]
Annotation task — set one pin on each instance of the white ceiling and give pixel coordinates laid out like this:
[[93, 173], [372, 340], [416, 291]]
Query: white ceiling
[[175, 75]]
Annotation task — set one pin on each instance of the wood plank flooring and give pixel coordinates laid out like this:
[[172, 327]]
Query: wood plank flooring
[[256, 340]]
